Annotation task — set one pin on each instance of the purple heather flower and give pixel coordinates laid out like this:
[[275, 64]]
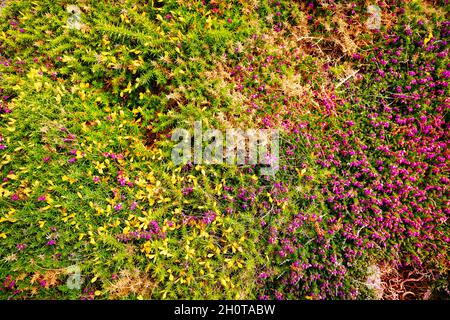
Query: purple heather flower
[[446, 74], [154, 227], [11, 285], [70, 138], [278, 295], [118, 207], [121, 180], [263, 275], [209, 217]]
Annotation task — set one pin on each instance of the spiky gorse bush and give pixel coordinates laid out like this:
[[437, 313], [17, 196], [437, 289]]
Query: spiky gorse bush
[[87, 114]]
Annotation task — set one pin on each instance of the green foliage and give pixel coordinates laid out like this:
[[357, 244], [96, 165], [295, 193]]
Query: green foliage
[[87, 179]]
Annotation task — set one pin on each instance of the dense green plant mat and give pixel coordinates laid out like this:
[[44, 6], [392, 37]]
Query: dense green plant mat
[[91, 93]]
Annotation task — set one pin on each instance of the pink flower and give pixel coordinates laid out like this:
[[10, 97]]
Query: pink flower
[[96, 179], [263, 275], [42, 198], [209, 217]]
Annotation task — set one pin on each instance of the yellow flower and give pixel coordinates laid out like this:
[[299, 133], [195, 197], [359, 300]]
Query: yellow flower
[[430, 36]]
